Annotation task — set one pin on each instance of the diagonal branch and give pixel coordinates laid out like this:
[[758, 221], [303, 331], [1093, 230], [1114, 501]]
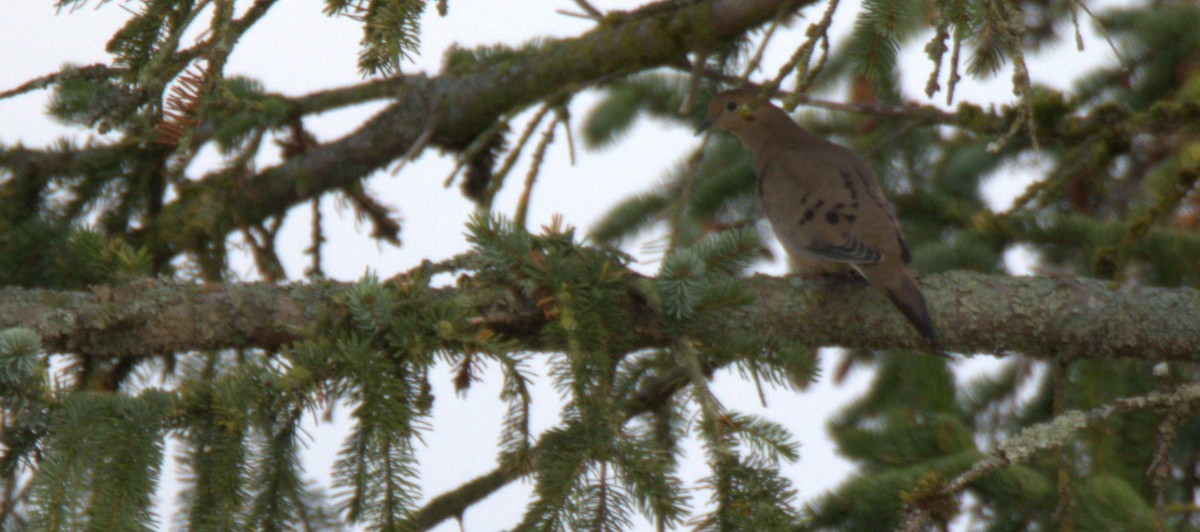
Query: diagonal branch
[[464, 102]]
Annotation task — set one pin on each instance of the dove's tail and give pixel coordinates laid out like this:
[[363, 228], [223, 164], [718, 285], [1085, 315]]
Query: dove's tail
[[900, 287]]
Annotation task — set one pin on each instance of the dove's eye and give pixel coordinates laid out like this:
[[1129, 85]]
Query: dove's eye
[[731, 106]]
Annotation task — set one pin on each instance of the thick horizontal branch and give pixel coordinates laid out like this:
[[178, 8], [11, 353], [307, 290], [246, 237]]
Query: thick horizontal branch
[[974, 313], [457, 106], [147, 318]]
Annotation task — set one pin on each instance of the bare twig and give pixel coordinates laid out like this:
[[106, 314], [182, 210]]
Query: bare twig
[[368, 208], [1075, 23], [936, 49], [1014, 31], [756, 59], [589, 9], [477, 146], [1108, 38], [954, 78], [925, 114], [97, 70], [696, 73], [817, 32], [514, 153], [1062, 382], [318, 239], [1160, 465], [417, 147], [564, 117], [261, 240], [539, 154]]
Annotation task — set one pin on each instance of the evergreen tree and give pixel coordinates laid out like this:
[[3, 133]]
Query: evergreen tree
[[116, 263]]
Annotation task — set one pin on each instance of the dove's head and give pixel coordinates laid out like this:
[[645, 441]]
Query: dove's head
[[734, 111]]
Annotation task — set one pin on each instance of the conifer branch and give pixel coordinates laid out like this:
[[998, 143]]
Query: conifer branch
[[96, 71], [1041, 437]]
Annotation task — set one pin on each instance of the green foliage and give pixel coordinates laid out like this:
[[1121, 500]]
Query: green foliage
[[216, 449], [989, 36], [377, 467], [23, 374], [574, 488], [46, 254], [748, 492], [88, 100], [284, 498], [877, 35], [1156, 43], [391, 31], [656, 95], [723, 196], [704, 278], [109, 261], [464, 60], [101, 462], [1109, 503], [628, 218], [244, 109], [875, 501], [727, 189], [589, 474], [149, 33]]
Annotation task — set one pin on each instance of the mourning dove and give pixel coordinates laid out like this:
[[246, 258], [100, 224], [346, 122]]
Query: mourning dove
[[822, 200]]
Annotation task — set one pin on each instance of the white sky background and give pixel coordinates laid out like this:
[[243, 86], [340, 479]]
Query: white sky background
[[295, 50]]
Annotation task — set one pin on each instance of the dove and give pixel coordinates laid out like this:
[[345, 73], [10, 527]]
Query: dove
[[823, 200]]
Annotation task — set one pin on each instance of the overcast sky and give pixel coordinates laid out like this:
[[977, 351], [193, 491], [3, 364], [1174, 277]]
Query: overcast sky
[[295, 50]]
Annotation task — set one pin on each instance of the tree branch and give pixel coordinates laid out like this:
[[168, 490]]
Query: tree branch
[[975, 313]]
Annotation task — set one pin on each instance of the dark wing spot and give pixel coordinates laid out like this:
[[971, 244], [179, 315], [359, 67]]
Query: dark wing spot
[[804, 199], [831, 217], [819, 204], [808, 216]]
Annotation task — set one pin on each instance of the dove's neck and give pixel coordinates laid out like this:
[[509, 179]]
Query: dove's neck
[[773, 131]]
